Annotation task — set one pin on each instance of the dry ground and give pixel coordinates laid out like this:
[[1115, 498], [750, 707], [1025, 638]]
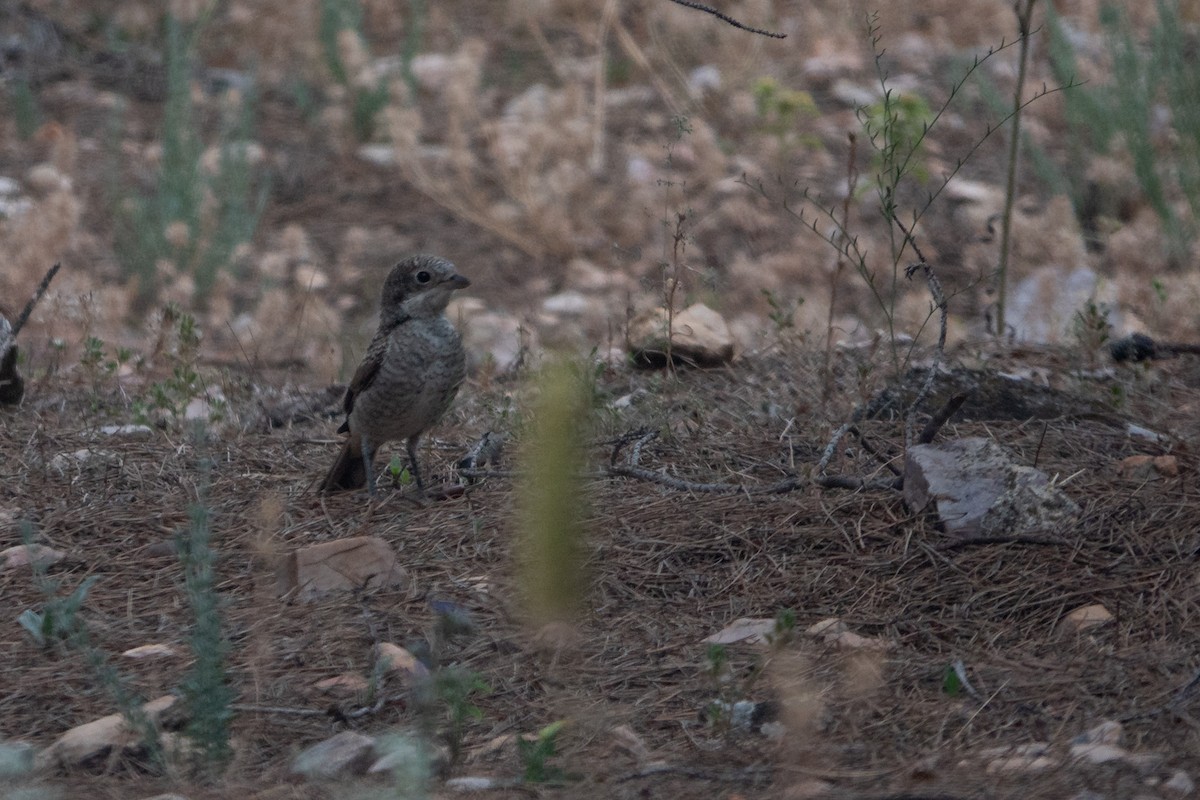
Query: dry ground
[[667, 569]]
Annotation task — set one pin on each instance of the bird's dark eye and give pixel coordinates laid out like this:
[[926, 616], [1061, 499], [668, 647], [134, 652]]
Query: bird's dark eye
[[423, 277]]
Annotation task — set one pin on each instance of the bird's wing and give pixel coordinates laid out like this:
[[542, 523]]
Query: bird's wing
[[364, 376]]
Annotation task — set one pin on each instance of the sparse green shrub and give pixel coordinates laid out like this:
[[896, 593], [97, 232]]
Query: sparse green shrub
[[781, 110], [345, 17], [179, 341], [60, 622], [25, 110], [217, 205], [206, 687], [536, 753], [454, 687], [729, 688], [896, 126], [1126, 113], [1092, 327]]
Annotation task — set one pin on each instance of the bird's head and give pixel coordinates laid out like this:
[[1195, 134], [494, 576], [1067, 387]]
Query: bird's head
[[419, 286]]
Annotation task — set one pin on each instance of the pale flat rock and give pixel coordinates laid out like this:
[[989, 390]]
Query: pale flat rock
[[347, 754], [745, 629], [1022, 764], [93, 741], [145, 651], [567, 303], [1086, 617], [25, 555], [835, 632], [476, 783], [699, 335], [341, 565], [345, 684], [978, 491], [1101, 753], [830, 626], [128, 431]]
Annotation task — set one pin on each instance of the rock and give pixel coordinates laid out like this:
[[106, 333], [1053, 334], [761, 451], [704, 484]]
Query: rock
[[150, 651], [1139, 432], [400, 662], [702, 80], [92, 742], [347, 683], [1180, 784], [347, 754], [1086, 617], [1021, 764], [16, 759], [978, 491], [1107, 732], [22, 555], [341, 565], [85, 462], [476, 783], [1102, 753], [492, 339], [835, 632], [568, 303], [1043, 306], [1144, 468], [381, 155], [1031, 757], [699, 336], [1030, 502], [128, 431], [1098, 753], [754, 631]]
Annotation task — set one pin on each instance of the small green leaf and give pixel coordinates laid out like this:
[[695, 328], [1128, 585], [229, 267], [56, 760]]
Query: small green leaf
[[951, 683]]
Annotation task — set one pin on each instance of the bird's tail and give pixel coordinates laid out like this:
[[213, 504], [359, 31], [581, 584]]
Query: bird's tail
[[348, 472]]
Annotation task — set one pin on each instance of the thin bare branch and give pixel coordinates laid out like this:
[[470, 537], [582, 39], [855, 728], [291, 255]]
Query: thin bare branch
[[727, 19]]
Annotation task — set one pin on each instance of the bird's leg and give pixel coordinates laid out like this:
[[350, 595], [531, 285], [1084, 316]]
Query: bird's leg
[[412, 461], [367, 456]]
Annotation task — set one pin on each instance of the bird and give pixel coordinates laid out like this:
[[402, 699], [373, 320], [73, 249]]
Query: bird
[[409, 375]]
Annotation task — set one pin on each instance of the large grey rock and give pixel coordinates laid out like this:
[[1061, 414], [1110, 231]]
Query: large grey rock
[[978, 491]]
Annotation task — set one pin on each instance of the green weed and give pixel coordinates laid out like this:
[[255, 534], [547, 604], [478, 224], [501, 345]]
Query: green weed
[[536, 753], [206, 687], [146, 230], [1125, 114]]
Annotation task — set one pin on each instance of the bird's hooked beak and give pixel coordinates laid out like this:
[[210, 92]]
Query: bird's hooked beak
[[456, 281]]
